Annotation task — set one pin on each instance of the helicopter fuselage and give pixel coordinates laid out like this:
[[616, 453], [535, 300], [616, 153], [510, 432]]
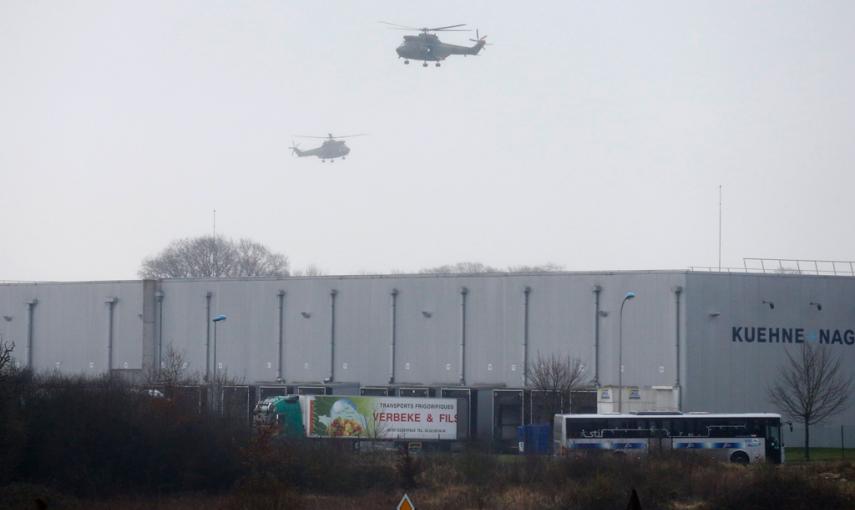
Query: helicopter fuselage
[[428, 47], [330, 149]]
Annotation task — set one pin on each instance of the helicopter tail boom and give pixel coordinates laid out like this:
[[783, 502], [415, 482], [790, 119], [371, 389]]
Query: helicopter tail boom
[[453, 49], [480, 41]]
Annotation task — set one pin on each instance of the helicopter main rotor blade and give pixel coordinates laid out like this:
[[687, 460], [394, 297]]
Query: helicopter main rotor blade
[[449, 28], [328, 137], [427, 29], [438, 29], [400, 27]]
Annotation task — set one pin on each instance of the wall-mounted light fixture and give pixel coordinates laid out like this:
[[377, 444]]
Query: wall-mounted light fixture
[[770, 303], [7, 318], [714, 314], [426, 314], [817, 305], [305, 315]]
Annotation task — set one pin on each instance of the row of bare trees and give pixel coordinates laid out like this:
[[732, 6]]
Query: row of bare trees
[[220, 257]]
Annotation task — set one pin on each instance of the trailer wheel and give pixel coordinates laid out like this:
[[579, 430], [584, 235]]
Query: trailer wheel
[[740, 458]]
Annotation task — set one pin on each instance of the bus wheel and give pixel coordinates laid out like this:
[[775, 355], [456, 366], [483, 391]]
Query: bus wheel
[[740, 458]]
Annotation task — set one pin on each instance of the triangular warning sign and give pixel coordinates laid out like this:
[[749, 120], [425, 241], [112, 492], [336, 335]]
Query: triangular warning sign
[[406, 504]]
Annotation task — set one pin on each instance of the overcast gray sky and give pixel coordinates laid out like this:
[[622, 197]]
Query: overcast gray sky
[[591, 134]]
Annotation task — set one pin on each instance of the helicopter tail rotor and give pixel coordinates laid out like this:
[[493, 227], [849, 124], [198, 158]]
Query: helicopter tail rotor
[[480, 42], [295, 149]]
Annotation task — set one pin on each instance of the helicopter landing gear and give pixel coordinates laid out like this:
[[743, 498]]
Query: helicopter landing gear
[[406, 62], [424, 64], [332, 160], [437, 64], [323, 161]]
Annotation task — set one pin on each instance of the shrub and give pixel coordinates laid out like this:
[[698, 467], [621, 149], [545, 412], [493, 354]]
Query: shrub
[[601, 492], [23, 495], [768, 487], [476, 467], [408, 469], [264, 494], [99, 438]]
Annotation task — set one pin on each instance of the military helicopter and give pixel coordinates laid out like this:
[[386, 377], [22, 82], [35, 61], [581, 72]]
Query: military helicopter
[[329, 150], [427, 47]]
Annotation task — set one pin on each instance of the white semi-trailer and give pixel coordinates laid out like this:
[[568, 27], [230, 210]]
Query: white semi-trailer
[[362, 417]]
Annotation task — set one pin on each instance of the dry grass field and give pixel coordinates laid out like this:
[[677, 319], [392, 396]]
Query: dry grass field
[[474, 480]]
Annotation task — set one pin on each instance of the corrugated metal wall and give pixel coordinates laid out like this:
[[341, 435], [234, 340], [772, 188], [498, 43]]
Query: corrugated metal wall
[[429, 317], [429, 326], [70, 327]]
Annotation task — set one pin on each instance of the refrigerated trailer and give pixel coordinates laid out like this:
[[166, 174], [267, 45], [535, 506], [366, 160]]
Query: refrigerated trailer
[[394, 419]]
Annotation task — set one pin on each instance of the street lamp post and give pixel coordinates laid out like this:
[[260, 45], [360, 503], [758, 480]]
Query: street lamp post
[[215, 320], [215, 386], [629, 295]]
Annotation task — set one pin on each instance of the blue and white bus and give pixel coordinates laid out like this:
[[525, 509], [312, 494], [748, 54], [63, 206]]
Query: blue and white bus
[[741, 438]]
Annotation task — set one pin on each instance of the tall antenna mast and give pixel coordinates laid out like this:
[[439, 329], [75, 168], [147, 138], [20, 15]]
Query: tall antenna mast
[[719, 228], [214, 258]]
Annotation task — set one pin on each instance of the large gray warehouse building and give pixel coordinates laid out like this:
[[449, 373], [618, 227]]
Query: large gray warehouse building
[[719, 338]]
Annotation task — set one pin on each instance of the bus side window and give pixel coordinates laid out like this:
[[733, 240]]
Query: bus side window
[[692, 427]]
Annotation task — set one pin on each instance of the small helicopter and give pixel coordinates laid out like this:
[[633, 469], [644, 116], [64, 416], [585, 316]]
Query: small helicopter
[[329, 150], [427, 47]]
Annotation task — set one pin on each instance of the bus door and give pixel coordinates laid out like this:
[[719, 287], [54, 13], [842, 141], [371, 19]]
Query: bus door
[[774, 446], [659, 440], [659, 434]]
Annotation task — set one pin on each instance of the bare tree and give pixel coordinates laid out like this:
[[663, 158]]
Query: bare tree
[[811, 388], [6, 349], [310, 270], [174, 368], [214, 257], [557, 377]]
